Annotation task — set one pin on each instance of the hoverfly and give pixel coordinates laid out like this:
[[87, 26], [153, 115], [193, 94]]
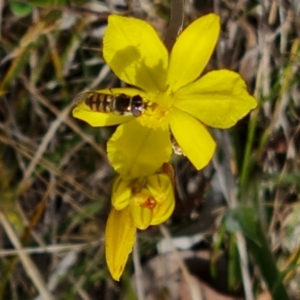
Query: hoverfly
[[120, 104]]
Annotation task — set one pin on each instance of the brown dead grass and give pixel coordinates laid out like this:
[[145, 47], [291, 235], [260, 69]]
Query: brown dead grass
[[55, 179]]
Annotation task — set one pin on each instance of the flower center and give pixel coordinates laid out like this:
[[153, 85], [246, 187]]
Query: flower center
[[140, 197], [143, 199], [154, 116], [149, 203]]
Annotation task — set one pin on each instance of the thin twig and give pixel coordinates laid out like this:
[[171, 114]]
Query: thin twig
[[194, 292], [64, 265], [47, 249], [45, 142], [138, 272], [68, 121], [175, 24], [29, 267], [218, 48]]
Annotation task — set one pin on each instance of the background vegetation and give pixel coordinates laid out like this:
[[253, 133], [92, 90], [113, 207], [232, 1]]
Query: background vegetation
[[237, 222]]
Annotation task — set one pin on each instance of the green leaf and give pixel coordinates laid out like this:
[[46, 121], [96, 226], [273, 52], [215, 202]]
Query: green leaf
[[234, 268], [267, 265], [57, 2], [20, 9], [244, 219]]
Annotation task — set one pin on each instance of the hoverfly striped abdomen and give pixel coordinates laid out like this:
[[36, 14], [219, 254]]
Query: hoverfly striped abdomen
[[100, 102]]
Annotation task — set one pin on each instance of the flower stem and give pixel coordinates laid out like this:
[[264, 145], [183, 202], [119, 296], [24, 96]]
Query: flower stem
[[175, 24]]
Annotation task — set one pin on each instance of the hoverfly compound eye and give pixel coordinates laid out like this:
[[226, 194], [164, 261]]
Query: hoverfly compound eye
[[137, 105]]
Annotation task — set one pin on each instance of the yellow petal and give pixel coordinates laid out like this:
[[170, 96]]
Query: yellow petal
[[192, 137], [141, 195], [163, 211], [98, 119], [136, 151], [192, 51], [159, 186], [141, 216], [120, 235], [121, 193], [218, 99], [134, 51]]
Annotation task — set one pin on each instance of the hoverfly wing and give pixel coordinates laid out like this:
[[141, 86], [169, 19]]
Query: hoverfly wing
[[82, 97]]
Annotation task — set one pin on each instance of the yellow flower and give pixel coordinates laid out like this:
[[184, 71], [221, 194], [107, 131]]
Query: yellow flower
[[137, 203], [150, 199], [176, 98]]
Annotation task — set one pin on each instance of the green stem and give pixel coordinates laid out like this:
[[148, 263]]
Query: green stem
[[247, 166]]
